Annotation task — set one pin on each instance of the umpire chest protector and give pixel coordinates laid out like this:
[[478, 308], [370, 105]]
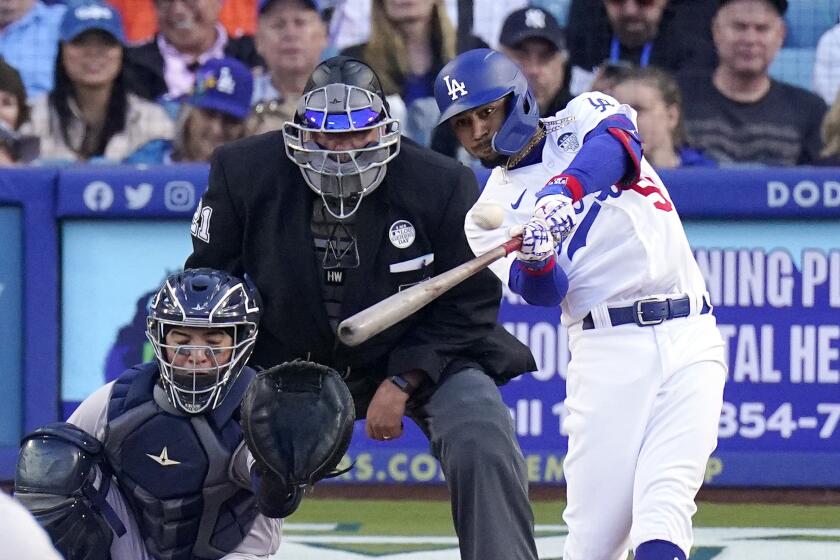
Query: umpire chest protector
[[175, 469]]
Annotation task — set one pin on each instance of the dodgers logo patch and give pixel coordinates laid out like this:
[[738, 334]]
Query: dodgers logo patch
[[568, 142], [402, 234]]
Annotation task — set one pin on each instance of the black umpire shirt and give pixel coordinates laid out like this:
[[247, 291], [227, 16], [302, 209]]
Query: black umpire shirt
[[255, 219]]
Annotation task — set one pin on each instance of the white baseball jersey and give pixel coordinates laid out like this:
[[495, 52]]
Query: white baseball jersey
[[628, 244]]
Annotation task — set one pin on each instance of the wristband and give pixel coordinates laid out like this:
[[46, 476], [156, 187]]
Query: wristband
[[565, 184], [537, 268], [402, 383]]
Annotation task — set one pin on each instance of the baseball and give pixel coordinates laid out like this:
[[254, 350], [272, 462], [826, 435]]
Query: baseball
[[488, 214]]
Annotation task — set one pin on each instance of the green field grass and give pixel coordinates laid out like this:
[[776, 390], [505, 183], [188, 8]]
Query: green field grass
[[378, 528], [412, 517]]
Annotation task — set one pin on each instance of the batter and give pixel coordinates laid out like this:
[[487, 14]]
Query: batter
[[602, 239]]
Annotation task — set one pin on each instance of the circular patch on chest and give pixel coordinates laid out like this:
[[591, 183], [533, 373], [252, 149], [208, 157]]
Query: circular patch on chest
[[402, 234], [568, 142]]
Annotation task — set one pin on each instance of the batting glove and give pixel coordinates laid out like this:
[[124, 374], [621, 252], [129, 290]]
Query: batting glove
[[537, 243], [558, 213]]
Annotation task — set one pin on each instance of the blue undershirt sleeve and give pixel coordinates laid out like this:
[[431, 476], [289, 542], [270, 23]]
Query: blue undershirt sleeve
[[546, 287], [610, 155]]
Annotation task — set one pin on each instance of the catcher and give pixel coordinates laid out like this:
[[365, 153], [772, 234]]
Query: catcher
[[193, 455]]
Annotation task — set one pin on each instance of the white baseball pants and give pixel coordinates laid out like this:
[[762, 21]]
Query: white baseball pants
[[643, 410]]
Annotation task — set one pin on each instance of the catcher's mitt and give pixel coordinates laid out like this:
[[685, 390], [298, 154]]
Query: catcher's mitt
[[297, 419]]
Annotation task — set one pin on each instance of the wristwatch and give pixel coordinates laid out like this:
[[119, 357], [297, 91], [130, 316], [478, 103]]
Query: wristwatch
[[402, 383]]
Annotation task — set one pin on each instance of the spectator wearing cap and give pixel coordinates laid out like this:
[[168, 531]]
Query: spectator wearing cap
[[738, 114], [291, 36], [29, 41], [213, 114], [14, 111], [190, 34], [409, 43], [90, 115], [532, 38], [670, 34]]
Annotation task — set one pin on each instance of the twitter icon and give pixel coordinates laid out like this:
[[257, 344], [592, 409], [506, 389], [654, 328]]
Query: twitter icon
[[138, 197]]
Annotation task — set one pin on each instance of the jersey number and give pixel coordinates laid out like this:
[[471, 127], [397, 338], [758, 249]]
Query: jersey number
[[200, 226], [644, 186]]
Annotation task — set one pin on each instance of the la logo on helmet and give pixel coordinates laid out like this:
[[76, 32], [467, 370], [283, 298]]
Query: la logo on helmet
[[454, 88]]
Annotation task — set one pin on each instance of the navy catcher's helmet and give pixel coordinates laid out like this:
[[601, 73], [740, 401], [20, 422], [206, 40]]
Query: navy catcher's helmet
[[481, 76], [198, 377], [342, 95]]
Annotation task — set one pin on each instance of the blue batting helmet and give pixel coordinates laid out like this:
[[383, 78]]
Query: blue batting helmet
[[481, 76]]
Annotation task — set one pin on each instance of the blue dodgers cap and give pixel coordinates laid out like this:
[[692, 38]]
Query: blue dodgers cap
[[314, 4], [223, 84], [87, 16]]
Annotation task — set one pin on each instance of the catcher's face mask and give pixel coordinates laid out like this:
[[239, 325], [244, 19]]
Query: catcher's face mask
[[196, 363], [202, 326], [342, 140]]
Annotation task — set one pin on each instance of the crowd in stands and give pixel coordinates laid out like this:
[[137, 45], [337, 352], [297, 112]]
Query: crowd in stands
[[161, 81]]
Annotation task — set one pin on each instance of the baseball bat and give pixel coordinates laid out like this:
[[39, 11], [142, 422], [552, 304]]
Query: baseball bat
[[371, 321]]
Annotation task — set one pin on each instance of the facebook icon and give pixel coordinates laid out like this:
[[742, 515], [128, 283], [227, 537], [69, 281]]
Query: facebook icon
[[98, 196]]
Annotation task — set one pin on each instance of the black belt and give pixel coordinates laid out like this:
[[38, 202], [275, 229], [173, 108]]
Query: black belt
[[648, 312]]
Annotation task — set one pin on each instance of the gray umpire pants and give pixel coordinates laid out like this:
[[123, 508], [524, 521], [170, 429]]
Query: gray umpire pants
[[471, 433]]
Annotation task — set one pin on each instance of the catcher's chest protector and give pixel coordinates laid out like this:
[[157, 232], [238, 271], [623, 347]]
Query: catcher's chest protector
[[173, 470]]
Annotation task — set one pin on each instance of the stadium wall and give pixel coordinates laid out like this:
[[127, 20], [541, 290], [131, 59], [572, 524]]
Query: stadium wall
[[81, 250]]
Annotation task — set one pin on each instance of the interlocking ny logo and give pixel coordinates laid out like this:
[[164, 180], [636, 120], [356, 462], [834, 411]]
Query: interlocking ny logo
[[163, 459], [454, 88], [535, 19]]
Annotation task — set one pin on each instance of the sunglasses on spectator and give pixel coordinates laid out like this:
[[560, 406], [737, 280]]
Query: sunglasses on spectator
[[642, 3]]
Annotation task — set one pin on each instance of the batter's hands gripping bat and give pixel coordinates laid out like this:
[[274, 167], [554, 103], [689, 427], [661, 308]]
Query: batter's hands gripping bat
[[371, 321]]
